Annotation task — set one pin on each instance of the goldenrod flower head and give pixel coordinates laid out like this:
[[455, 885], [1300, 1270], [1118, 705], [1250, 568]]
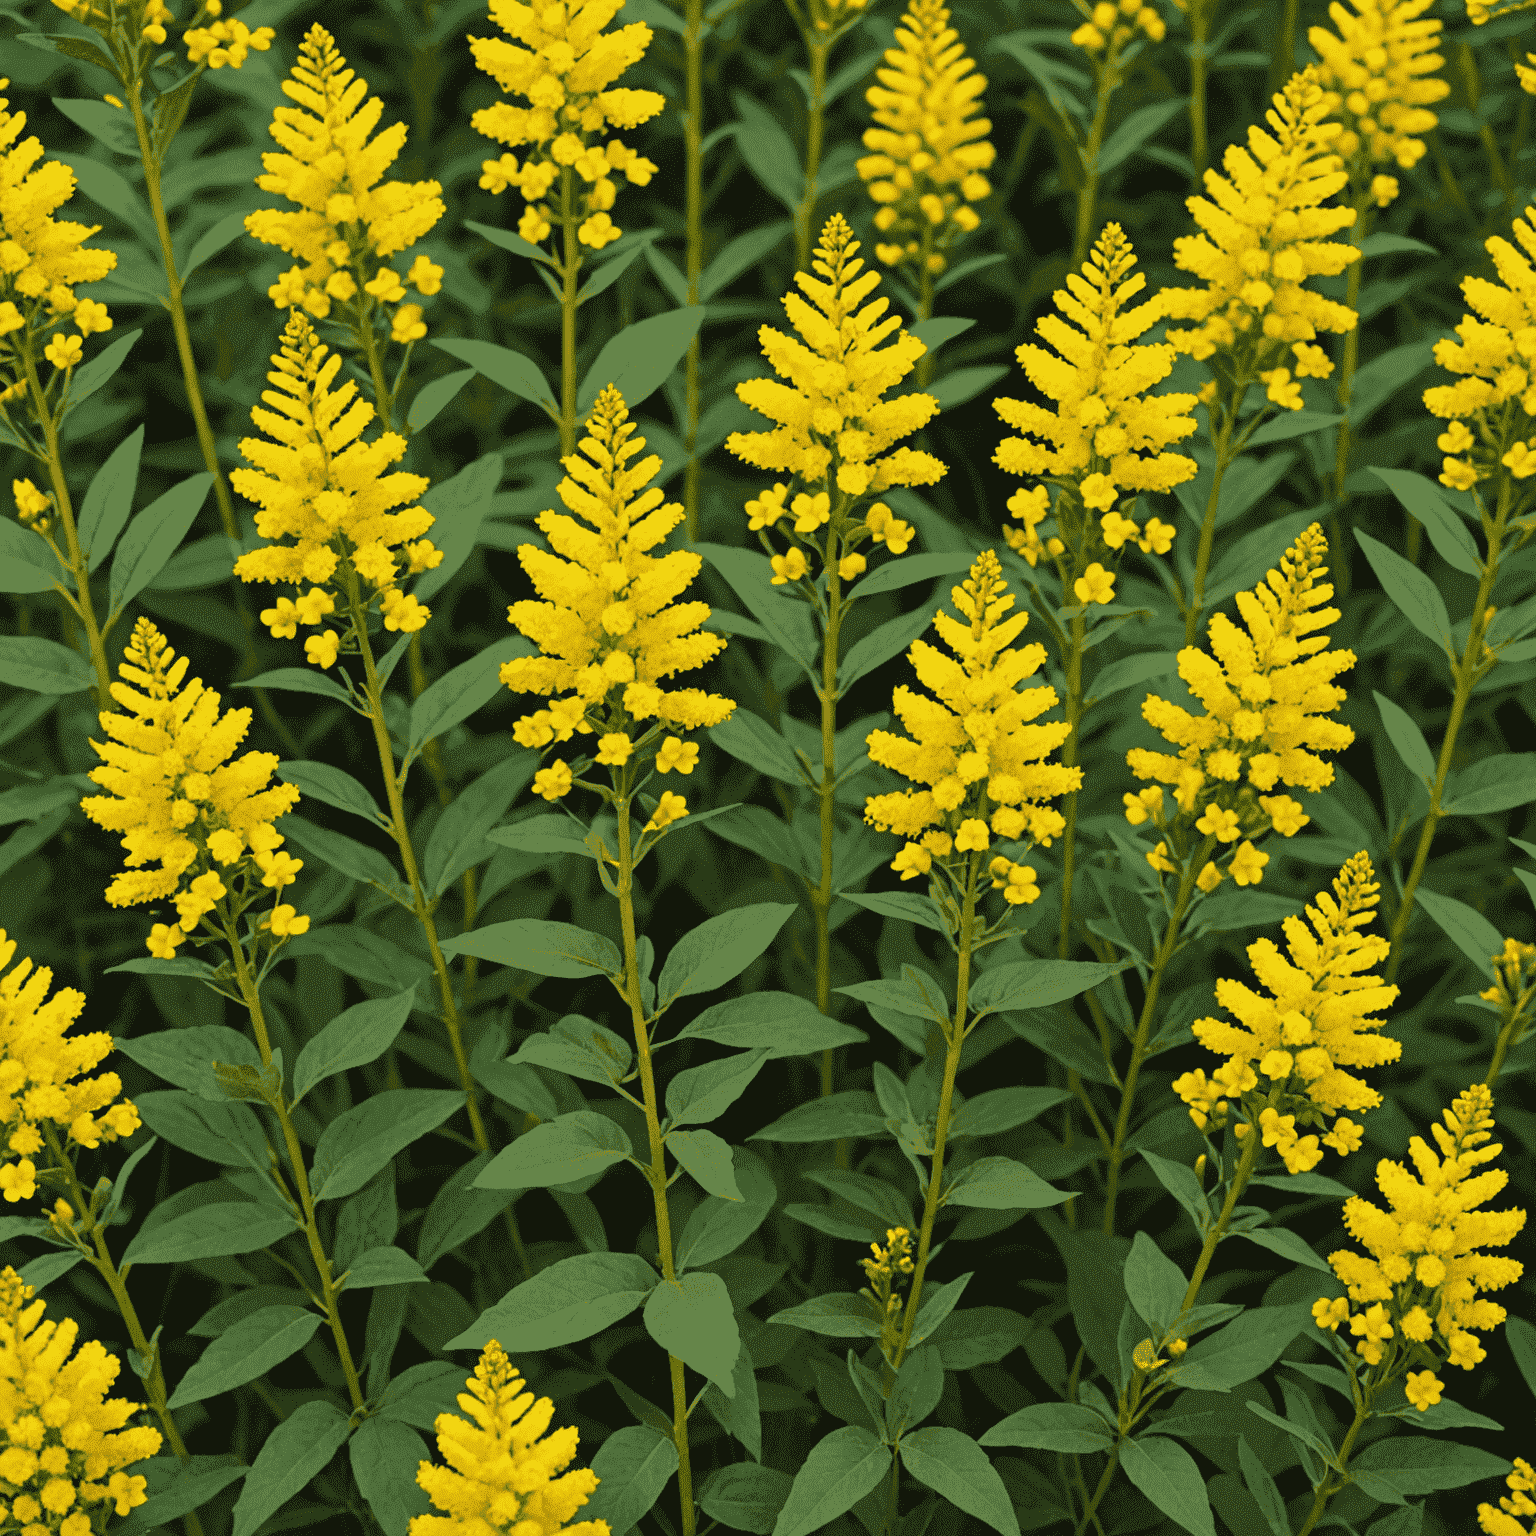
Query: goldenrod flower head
[[833, 425], [929, 151], [566, 69], [982, 765], [608, 624], [318, 483], [1492, 409], [36, 1065], [173, 792], [1315, 1022], [1113, 26], [1375, 72], [65, 1448], [1514, 977], [1501, 1521], [895, 1258], [32, 506], [1264, 232], [1266, 691], [1426, 1266], [346, 221], [501, 1476]]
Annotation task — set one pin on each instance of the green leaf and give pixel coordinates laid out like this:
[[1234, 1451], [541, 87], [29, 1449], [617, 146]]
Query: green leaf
[[839, 1314], [1140, 126], [515, 373], [26, 562], [248, 1350], [851, 1112], [1408, 1465], [541, 834], [919, 1385], [185, 1057], [222, 1132], [382, 1266], [1130, 671], [213, 240], [460, 505], [1169, 1476], [1521, 1336], [1291, 424], [1036, 984], [109, 499], [1154, 1283], [109, 189], [1497, 783], [743, 1496], [904, 906], [880, 645], [299, 1449], [902, 572], [963, 384], [739, 255], [759, 830], [571, 1300], [152, 537], [298, 680], [633, 1467], [938, 1302], [751, 740], [1381, 378], [1068, 1427], [43, 666], [352, 1039], [708, 1159], [1245, 1348], [360, 1140], [1447, 532], [346, 855], [175, 1490], [580, 1048], [210, 1232], [1181, 1183], [1303, 1433], [1414, 593], [778, 1022], [1467, 928], [610, 272], [719, 1226], [560, 1151], [458, 1212], [1003, 1109], [544, 948], [1384, 243], [91, 375], [691, 1318], [702, 1094], [458, 840], [840, 1469], [787, 621], [332, 786], [510, 242], [639, 358], [718, 950], [1262, 1486], [1001, 1184], [938, 329], [956, 1468], [459, 692], [1406, 738], [769, 151], [434, 397], [1244, 564], [1288, 1244], [384, 1455], [915, 994]]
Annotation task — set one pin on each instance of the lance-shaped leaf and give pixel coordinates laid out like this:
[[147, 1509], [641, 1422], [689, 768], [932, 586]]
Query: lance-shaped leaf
[[702, 1094], [360, 1140], [546, 949], [708, 1159], [1417, 597], [957, 1469], [571, 1300], [633, 1467], [109, 499], [152, 537], [245, 1351], [637, 360], [1036, 984], [517, 374], [691, 1318], [1170, 1477], [719, 949], [839, 1471], [293, 1453], [560, 1151], [1069, 1427], [1001, 1184], [779, 1022], [352, 1039]]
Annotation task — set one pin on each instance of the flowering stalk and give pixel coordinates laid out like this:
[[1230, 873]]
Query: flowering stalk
[[1199, 35], [693, 270], [1513, 992]]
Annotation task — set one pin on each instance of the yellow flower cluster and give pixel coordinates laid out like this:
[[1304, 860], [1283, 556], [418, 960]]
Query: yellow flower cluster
[[608, 625], [885, 1269], [1264, 232], [173, 792], [501, 1476], [36, 1065], [41, 258], [64, 1445], [346, 223], [1265, 690], [984, 766], [1375, 72], [1514, 977], [566, 69], [1314, 1023], [1113, 26], [1106, 434], [319, 483], [1492, 409], [32, 506], [210, 42], [929, 152], [1502, 1521], [1418, 1290]]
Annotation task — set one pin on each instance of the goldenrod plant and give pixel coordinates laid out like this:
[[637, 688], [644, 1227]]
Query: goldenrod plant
[[745, 789]]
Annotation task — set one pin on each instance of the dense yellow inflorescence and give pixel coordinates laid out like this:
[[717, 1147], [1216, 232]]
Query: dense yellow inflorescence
[[1106, 434], [1503, 1521], [1418, 1291], [346, 222], [180, 802], [1112, 26], [928, 151], [211, 41], [565, 69], [1267, 689], [501, 1466], [982, 765], [1314, 1023], [317, 482]]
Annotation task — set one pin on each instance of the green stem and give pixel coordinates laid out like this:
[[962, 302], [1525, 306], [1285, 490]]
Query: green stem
[[821, 897], [568, 315], [370, 344], [1224, 457], [1467, 672], [817, 48], [656, 1174], [1106, 1477], [693, 173], [1199, 26], [329, 1290], [1332, 1482], [1349, 362], [1240, 1177], [1165, 952], [1088, 193], [925, 305], [1283, 62], [1069, 748]]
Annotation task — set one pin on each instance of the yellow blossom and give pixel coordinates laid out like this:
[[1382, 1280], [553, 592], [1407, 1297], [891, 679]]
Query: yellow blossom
[[501, 1466], [929, 151], [671, 807], [1095, 585], [224, 42], [1521, 1484]]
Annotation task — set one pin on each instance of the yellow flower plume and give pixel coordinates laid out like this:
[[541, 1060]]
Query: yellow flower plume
[[929, 151], [1492, 408], [178, 799], [1501, 1521], [346, 223], [64, 1445], [1106, 434], [501, 1476], [982, 764], [1314, 1023], [566, 69], [36, 1065], [1419, 1286], [1264, 232], [320, 484]]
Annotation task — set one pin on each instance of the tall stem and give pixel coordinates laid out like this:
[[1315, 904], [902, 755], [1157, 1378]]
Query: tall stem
[[1069, 749], [1283, 61], [1328, 1487], [1350, 360], [656, 1174], [1466, 673], [329, 1290], [568, 314], [369, 338], [1208, 522], [1106, 1477], [1088, 193], [821, 898], [1240, 1177], [955, 1041], [817, 47], [693, 176], [1200, 27], [1165, 952]]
